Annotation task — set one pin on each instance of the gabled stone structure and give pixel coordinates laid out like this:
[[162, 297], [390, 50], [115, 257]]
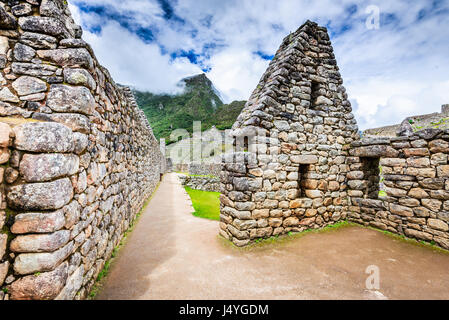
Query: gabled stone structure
[[292, 140]]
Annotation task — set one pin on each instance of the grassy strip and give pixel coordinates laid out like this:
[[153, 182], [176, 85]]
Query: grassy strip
[[106, 268], [205, 203], [197, 175], [420, 243], [282, 239], [277, 240]]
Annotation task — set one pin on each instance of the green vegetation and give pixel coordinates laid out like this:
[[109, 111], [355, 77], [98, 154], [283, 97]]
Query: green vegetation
[[198, 102], [382, 193], [104, 272], [282, 239], [205, 203], [429, 245]]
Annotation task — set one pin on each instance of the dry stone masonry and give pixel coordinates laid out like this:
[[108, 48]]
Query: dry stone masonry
[[292, 140], [302, 163], [415, 173], [78, 158], [204, 183]]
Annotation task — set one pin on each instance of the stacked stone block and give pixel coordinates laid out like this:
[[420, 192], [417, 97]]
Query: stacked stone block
[[78, 157], [415, 170], [203, 183], [292, 138]]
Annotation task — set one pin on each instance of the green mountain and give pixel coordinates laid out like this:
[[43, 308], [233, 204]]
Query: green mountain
[[199, 101]]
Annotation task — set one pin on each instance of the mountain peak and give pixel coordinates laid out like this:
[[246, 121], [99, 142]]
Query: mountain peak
[[196, 80]]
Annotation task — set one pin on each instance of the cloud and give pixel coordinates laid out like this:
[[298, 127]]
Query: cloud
[[392, 72]]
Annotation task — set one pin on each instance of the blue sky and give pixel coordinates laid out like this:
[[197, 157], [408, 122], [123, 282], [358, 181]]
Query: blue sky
[[396, 70]]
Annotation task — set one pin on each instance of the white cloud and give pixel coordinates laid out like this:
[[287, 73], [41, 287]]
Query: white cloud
[[396, 71], [132, 62], [236, 80]]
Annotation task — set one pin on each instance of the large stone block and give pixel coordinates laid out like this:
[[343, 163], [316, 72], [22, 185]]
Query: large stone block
[[31, 69], [40, 242], [7, 96], [38, 40], [45, 286], [63, 98], [68, 57], [46, 167], [76, 122], [74, 283], [79, 77], [7, 21], [376, 151], [36, 222], [437, 146], [304, 159], [40, 196], [401, 210], [28, 263], [23, 52], [43, 137], [438, 224], [47, 25], [26, 85]]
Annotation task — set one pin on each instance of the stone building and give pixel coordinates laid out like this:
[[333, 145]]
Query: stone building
[[292, 140], [78, 158], [301, 164], [415, 173]]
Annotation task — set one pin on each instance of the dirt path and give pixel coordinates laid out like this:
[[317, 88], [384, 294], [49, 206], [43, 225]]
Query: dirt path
[[174, 255]]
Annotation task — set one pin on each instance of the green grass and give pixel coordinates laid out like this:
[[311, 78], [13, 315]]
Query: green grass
[[280, 240], [205, 203]]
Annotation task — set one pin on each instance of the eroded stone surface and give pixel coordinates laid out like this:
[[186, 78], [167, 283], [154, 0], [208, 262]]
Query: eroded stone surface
[[27, 263], [46, 167], [26, 85], [40, 196], [44, 286], [43, 137], [38, 222], [63, 98], [78, 57], [40, 243]]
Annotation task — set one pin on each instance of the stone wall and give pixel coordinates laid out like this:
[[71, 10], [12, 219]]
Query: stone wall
[[436, 120], [204, 183], [300, 162], [211, 169], [292, 139], [78, 157], [415, 173]]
